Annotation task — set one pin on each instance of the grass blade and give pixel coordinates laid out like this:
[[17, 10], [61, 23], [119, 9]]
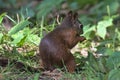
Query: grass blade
[[18, 27]]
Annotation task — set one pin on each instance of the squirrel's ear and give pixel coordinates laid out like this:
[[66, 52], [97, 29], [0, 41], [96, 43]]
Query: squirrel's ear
[[70, 13], [75, 15]]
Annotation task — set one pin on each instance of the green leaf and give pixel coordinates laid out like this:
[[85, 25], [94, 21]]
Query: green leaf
[[19, 27], [1, 35], [113, 61], [1, 17], [33, 39], [88, 31], [17, 38], [102, 27], [118, 34], [36, 77], [22, 41], [114, 74]]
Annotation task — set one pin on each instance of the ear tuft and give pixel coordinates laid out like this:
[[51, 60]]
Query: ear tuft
[[75, 15], [70, 13]]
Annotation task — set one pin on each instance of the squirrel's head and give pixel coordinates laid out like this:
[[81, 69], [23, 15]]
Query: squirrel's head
[[71, 20]]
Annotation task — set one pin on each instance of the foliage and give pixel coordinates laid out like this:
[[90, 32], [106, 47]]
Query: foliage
[[102, 68], [46, 6], [18, 27], [21, 42]]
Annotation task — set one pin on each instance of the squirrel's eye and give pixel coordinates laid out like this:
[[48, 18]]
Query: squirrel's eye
[[81, 26]]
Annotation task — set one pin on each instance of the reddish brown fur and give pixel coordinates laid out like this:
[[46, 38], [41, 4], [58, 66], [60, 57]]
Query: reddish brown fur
[[55, 46]]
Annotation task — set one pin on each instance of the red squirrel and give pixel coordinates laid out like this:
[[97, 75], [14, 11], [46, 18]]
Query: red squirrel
[[55, 47]]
